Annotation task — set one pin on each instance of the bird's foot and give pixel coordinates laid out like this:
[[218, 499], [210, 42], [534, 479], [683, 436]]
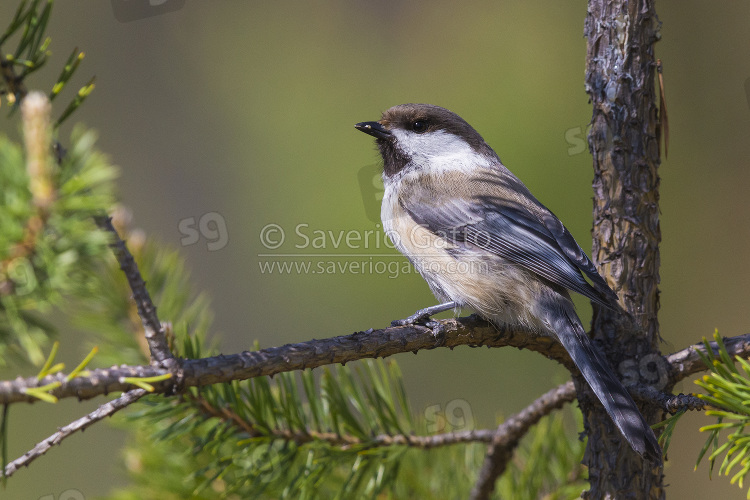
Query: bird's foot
[[423, 315]]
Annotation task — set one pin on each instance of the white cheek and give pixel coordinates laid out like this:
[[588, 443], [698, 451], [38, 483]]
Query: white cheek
[[438, 143], [438, 149]]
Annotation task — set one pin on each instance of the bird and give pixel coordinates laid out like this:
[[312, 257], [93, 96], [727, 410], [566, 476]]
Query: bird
[[481, 240]]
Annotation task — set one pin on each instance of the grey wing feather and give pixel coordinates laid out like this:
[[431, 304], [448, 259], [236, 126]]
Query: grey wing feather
[[576, 254], [513, 232]]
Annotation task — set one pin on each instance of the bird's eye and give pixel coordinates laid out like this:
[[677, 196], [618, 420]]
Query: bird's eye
[[419, 126]]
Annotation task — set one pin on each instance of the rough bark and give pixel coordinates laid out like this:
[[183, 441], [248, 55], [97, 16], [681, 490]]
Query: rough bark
[[620, 70]]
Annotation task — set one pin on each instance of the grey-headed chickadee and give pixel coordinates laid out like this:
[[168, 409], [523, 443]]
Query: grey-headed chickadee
[[481, 240]]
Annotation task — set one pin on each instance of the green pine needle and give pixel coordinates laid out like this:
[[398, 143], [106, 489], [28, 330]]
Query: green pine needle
[[729, 392]]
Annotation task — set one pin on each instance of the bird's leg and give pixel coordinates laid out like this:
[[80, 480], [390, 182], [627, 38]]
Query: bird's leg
[[424, 314]]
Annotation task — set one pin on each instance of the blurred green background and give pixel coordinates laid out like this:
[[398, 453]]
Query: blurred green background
[[246, 109]]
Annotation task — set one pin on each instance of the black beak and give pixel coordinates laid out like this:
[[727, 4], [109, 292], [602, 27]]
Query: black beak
[[374, 129]]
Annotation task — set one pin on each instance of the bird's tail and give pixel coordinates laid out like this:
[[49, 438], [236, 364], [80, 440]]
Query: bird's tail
[[610, 391]]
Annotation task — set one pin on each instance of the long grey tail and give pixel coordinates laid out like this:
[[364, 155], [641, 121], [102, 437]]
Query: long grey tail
[[610, 391]]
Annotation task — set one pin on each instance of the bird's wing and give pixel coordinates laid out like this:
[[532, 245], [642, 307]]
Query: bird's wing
[[577, 256], [534, 239]]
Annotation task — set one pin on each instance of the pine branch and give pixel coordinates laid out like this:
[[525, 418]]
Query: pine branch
[[510, 432], [688, 361], [225, 414], [342, 422], [105, 410], [154, 330], [470, 330]]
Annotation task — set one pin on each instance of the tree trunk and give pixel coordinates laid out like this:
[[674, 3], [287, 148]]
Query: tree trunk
[[620, 70]]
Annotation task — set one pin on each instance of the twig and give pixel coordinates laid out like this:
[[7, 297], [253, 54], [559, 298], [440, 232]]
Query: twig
[[686, 362], [105, 410], [510, 432], [301, 437], [436, 440], [157, 340], [12, 80], [671, 403]]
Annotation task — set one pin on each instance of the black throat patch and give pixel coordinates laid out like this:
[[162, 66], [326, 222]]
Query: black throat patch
[[394, 160]]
